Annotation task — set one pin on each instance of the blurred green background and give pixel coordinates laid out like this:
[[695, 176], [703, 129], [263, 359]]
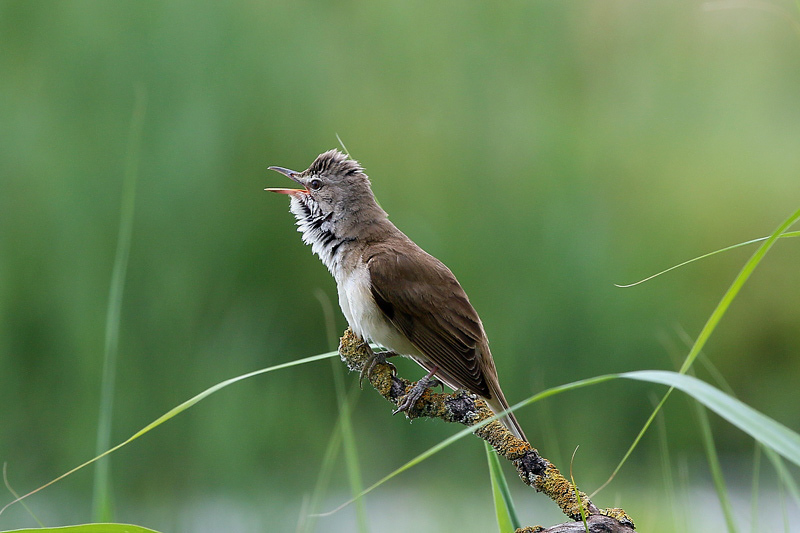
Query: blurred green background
[[543, 150]]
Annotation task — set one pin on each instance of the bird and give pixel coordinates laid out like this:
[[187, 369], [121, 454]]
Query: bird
[[390, 290]]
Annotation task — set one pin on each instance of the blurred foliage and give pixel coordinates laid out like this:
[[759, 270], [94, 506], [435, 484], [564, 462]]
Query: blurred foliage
[[543, 150]]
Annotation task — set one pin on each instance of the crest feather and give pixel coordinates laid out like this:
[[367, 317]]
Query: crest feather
[[335, 162]]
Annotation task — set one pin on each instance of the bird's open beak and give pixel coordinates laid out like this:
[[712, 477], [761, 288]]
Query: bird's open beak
[[289, 174]]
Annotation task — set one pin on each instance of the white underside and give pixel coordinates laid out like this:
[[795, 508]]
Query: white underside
[[363, 314]]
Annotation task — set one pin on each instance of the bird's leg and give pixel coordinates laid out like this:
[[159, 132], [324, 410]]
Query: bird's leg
[[375, 359], [417, 391]]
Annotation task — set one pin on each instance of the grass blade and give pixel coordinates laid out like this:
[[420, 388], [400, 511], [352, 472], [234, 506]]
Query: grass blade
[[101, 497], [345, 425], [783, 473], [506, 512], [762, 428], [174, 412], [754, 489], [666, 466], [577, 492], [710, 325], [733, 290], [716, 469], [14, 493], [308, 518], [341, 143], [349, 447], [88, 528], [704, 256]]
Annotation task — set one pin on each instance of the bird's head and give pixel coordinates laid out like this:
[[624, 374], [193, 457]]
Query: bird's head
[[333, 187]]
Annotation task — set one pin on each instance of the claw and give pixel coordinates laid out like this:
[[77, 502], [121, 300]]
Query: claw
[[376, 359], [417, 391]]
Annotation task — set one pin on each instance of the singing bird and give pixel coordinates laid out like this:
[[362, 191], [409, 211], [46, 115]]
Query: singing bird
[[391, 291]]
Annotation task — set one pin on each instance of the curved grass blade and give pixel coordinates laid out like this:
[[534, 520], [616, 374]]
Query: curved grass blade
[[88, 528], [708, 328], [577, 492], [773, 435], [698, 258], [504, 509], [783, 473], [14, 493], [175, 411], [733, 290]]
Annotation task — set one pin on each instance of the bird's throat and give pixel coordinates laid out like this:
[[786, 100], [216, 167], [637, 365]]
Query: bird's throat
[[318, 230]]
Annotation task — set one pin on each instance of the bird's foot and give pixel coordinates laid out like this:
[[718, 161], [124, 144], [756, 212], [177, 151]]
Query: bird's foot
[[416, 392], [375, 359]]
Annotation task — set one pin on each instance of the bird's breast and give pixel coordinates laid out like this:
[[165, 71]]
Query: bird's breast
[[363, 314]]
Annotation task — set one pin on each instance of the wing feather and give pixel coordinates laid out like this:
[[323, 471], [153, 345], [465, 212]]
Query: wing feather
[[421, 297]]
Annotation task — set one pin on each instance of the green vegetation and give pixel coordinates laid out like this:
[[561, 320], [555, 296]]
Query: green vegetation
[[544, 151]]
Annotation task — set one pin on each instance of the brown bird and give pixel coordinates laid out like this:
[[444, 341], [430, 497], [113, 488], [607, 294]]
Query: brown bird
[[391, 291]]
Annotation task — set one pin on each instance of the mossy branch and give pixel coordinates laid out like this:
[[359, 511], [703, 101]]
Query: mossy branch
[[468, 409]]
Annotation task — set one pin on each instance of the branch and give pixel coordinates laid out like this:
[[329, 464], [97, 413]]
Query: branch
[[468, 409]]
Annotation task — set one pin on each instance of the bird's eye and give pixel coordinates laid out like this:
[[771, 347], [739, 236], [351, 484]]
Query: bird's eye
[[315, 184]]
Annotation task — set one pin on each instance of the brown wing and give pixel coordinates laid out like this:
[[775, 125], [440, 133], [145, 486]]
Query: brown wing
[[422, 298]]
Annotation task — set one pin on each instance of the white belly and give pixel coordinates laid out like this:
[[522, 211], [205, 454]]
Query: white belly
[[365, 317]]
